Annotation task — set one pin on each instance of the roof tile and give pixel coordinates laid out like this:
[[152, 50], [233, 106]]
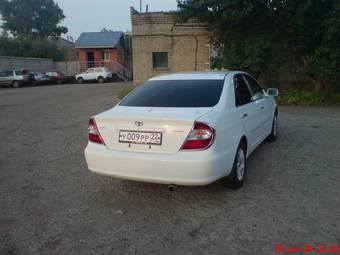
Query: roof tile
[[97, 39]]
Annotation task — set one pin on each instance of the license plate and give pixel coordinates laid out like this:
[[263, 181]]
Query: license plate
[[140, 137]]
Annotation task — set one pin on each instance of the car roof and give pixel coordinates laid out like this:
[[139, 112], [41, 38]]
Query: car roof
[[193, 76]]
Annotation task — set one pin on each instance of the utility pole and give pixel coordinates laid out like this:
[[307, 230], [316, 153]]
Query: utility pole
[[140, 6]]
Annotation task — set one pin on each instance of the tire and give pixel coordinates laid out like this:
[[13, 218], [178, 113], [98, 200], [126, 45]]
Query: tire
[[34, 83], [236, 178], [273, 135], [101, 79], [16, 84], [80, 80], [59, 82]]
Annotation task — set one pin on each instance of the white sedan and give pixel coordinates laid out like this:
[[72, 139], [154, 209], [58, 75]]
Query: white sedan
[[184, 129]]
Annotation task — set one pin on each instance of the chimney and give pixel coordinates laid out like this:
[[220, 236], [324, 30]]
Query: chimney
[[133, 11]]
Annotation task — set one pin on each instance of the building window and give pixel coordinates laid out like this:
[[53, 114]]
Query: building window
[[106, 55], [160, 59]]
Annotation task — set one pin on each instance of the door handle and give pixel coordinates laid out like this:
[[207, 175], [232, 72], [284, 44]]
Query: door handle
[[244, 115], [262, 107]]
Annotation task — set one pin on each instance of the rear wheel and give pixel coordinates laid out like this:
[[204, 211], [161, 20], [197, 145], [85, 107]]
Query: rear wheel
[[236, 178], [16, 84], [80, 80], [59, 82], [101, 79], [273, 135]]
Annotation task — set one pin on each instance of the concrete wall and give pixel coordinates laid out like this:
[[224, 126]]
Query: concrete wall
[[187, 44], [33, 64], [70, 67]]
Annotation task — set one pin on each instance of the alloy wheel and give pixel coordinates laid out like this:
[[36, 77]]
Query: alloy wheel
[[240, 165]]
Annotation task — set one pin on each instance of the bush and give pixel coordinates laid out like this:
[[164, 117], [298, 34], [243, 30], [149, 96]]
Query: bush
[[305, 97], [30, 46]]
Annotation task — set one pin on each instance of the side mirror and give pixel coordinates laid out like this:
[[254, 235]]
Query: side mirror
[[272, 92]]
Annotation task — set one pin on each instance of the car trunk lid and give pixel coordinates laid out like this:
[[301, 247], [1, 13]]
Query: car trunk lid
[[174, 124]]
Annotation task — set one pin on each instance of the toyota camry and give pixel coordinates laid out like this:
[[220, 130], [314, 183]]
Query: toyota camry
[[184, 129]]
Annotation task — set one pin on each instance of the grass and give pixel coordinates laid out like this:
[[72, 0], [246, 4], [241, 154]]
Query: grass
[[125, 91], [306, 97]]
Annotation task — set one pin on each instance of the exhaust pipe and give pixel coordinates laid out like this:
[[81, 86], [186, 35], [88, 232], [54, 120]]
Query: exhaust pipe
[[171, 188]]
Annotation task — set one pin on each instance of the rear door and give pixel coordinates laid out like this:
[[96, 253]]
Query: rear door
[[90, 74], [262, 104], [247, 112]]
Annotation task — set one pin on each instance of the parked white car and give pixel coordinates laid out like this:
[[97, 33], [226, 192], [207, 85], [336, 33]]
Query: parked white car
[[184, 129], [14, 78], [100, 74]]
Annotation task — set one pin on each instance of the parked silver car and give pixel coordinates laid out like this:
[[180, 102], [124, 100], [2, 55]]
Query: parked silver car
[[14, 78], [39, 78]]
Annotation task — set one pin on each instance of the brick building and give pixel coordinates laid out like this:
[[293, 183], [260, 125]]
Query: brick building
[[97, 49], [161, 45]]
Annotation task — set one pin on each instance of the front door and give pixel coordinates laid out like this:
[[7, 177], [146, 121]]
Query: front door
[[90, 74], [6, 77], [90, 59]]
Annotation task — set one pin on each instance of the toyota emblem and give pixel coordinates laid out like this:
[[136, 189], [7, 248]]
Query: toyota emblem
[[139, 123]]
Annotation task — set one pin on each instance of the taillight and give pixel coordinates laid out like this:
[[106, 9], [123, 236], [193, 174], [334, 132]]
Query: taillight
[[200, 137], [94, 135]]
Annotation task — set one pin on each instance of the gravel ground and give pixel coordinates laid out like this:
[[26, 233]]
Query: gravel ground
[[51, 204]]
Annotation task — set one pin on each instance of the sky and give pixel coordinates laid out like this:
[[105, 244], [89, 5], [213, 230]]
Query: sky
[[93, 15]]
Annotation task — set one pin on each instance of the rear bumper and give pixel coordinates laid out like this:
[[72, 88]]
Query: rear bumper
[[183, 168]]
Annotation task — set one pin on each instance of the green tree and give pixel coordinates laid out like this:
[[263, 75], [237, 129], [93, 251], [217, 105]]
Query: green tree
[[32, 17], [261, 36], [243, 35], [316, 30]]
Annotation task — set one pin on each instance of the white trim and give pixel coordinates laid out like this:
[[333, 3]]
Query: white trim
[[107, 59]]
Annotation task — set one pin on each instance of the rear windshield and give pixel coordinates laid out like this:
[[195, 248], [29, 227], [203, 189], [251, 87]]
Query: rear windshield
[[176, 93]]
